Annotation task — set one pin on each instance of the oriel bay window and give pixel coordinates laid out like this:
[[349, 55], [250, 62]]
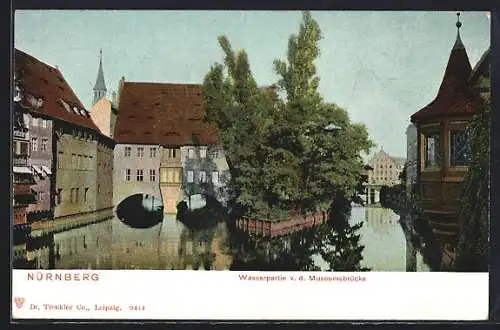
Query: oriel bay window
[[432, 148], [169, 175], [460, 148]]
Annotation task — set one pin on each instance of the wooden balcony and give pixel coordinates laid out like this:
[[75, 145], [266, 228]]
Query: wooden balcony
[[20, 160]]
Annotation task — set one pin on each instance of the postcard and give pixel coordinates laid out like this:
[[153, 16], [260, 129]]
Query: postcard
[[239, 165]]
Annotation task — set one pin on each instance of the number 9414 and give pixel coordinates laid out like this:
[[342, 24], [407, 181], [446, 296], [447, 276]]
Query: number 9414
[[136, 307]]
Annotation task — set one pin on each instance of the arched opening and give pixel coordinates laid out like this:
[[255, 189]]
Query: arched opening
[[140, 211]]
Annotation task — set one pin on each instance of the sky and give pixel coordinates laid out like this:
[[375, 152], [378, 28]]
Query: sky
[[380, 66]]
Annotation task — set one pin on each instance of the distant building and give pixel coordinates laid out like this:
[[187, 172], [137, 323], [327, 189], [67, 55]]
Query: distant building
[[164, 147], [100, 85], [383, 170], [75, 186], [444, 150], [103, 111], [386, 169], [411, 156]]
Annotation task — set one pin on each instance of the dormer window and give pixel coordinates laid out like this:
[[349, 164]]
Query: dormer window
[[196, 139]]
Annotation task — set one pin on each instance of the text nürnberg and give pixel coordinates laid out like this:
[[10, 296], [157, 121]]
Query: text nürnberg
[[62, 276]]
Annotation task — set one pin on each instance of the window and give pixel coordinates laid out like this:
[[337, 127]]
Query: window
[[34, 122], [215, 154], [85, 194], [140, 175], [34, 144], [60, 156], [44, 145], [190, 176], [152, 175], [77, 194], [172, 153], [202, 177], [152, 152], [215, 177], [196, 139], [460, 149], [73, 161], [98, 188], [23, 148], [191, 153], [140, 152], [44, 123], [203, 152], [59, 196], [128, 151], [163, 175], [128, 174], [432, 149]]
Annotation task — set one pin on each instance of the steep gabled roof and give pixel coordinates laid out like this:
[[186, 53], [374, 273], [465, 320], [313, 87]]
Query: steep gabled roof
[[481, 68], [160, 113], [453, 97], [38, 79]]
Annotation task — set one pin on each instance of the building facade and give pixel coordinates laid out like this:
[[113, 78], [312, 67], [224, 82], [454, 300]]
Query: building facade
[[167, 121], [76, 178], [22, 176], [385, 171], [40, 160], [444, 151], [103, 111], [136, 171]]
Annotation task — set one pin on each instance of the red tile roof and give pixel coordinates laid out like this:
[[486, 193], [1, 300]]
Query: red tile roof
[[454, 96], [165, 114], [41, 80]]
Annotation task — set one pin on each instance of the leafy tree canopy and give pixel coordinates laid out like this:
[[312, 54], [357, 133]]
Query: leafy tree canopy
[[295, 151]]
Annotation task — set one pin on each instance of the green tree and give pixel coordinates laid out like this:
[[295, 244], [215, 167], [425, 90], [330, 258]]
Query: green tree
[[472, 250], [291, 153], [240, 110], [318, 138]]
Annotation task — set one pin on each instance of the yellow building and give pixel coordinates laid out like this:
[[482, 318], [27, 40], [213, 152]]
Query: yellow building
[[170, 178]]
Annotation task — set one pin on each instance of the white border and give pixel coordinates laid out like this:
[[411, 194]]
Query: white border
[[223, 295]]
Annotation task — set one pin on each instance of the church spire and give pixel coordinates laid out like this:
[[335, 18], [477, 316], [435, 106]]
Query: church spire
[[458, 42], [100, 85]]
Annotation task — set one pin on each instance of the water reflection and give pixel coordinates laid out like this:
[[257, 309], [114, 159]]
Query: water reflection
[[361, 239], [386, 245]]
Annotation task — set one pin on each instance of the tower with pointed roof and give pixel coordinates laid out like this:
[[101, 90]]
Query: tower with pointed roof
[[443, 149], [100, 85]]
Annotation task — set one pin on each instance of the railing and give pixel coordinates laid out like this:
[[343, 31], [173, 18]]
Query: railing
[[19, 134], [20, 160]]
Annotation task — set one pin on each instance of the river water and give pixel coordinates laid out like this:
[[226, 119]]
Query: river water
[[111, 244]]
